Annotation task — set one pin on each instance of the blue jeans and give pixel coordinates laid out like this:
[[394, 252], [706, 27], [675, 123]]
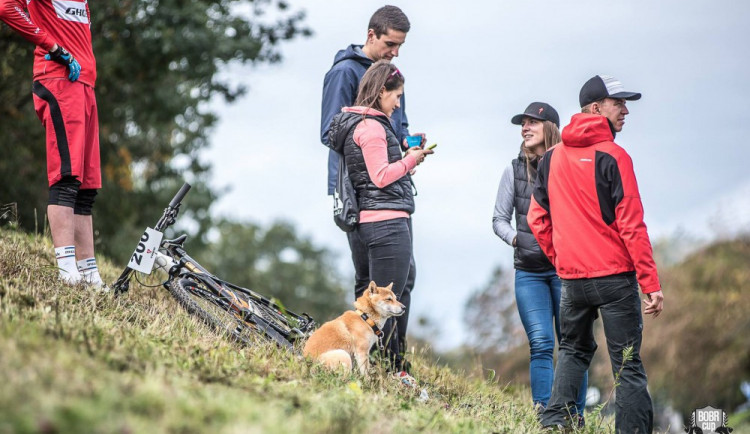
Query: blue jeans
[[538, 301], [617, 299]]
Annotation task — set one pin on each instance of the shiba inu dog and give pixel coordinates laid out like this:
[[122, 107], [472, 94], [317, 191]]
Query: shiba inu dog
[[353, 333]]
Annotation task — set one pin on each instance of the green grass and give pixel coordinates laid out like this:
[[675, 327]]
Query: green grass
[[73, 360]]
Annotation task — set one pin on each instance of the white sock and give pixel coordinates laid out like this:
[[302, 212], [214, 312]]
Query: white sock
[[90, 271], [66, 263]]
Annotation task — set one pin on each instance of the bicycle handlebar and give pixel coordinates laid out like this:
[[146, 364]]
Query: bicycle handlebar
[[180, 195]]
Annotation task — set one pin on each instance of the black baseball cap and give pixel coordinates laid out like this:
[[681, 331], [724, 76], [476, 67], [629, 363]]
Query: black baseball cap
[[538, 110], [604, 86]]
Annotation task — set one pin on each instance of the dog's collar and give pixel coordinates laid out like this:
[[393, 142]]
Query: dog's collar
[[366, 318]]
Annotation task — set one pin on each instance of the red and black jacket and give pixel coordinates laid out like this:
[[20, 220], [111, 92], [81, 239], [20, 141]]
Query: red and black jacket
[[586, 212]]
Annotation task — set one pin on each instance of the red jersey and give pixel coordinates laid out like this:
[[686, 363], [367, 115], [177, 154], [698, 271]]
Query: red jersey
[[586, 211], [50, 22]]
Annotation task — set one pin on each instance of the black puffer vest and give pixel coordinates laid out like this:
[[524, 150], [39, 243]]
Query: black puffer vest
[[396, 196], [528, 256]]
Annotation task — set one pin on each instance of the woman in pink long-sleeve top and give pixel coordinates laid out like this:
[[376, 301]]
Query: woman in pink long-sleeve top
[[382, 248]]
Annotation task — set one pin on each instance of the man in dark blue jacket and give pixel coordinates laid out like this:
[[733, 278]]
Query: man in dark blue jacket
[[385, 34]]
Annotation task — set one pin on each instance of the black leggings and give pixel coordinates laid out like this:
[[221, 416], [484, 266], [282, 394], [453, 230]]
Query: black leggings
[[383, 252]]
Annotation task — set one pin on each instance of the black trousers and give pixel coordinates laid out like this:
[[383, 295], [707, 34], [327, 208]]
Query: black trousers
[[617, 299], [382, 252]]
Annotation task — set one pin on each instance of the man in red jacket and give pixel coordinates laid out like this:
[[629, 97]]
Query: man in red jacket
[[65, 104], [587, 216]]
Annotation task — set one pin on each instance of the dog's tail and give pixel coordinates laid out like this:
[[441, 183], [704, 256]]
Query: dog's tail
[[337, 360]]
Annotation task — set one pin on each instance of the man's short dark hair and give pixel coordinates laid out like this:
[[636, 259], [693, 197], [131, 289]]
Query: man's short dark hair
[[388, 18]]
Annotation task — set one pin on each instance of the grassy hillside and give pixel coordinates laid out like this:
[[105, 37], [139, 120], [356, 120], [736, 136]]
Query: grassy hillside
[[73, 360]]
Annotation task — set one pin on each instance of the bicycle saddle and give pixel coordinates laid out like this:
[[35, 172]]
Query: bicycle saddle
[[179, 241]]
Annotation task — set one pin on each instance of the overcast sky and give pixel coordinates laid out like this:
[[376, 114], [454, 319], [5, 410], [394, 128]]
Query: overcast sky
[[471, 66]]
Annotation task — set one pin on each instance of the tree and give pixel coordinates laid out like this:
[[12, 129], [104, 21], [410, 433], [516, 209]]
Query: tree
[[157, 65], [491, 315], [277, 262], [23, 177], [698, 351], [498, 340]]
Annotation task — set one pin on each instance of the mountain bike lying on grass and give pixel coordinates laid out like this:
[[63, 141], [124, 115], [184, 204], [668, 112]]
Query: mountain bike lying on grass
[[229, 309]]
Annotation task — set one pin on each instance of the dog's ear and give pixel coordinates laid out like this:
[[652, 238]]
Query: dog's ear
[[373, 288], [390, 287]]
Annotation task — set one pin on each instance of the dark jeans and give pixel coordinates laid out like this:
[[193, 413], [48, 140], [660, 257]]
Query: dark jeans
[[382, 252], [617, 299]]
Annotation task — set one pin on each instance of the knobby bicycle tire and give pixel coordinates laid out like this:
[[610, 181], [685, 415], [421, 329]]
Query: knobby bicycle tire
[[194, 297], [198, 300]]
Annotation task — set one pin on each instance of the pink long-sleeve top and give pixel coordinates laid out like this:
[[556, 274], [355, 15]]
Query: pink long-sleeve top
[[370, 136]]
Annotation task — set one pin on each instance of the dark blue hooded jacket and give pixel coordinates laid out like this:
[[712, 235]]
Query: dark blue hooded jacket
[[340, 90]]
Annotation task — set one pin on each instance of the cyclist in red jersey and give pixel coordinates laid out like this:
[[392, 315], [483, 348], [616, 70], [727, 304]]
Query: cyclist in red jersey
[[63, 88]]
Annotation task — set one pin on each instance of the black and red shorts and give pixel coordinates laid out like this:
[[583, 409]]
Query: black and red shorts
[[68, 112]]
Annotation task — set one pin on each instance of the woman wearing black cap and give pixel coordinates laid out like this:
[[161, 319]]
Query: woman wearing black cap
[[537, 286]]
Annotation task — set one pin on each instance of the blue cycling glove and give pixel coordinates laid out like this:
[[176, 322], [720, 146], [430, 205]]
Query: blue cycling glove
[[63, 57]]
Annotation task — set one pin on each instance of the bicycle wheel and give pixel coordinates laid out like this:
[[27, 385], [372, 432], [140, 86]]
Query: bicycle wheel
[[199, 300]]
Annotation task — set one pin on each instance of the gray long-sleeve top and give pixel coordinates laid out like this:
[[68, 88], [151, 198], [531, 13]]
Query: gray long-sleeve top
[[504, 207]]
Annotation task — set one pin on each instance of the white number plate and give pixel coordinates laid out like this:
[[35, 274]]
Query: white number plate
[[145, 254]]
